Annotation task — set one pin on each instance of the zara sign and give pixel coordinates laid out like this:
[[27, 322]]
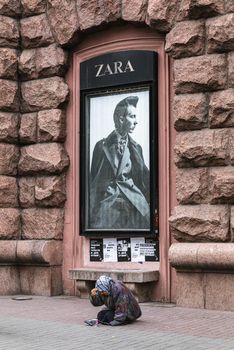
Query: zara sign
[[119, 144], [117, 67]]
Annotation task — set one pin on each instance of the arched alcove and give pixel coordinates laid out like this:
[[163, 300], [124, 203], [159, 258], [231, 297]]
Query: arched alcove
[[76, 254]]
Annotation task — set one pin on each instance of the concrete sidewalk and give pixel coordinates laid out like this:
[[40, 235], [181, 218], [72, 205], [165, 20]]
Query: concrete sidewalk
[[57, 324]]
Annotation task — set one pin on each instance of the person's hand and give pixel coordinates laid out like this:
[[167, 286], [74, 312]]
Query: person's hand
[[94, 292], [104, 294]]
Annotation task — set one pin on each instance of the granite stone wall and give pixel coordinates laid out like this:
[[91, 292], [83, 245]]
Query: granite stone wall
[[10, 227], [202, 45], [35, 41]]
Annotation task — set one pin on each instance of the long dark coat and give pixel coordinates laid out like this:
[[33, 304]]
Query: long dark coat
[[108, 180]]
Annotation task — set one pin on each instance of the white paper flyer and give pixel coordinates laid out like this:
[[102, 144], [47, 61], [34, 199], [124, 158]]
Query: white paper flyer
[[110, 249], [136, 249]]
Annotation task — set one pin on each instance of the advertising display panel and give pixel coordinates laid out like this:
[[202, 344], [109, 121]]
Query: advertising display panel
[[119, 195]]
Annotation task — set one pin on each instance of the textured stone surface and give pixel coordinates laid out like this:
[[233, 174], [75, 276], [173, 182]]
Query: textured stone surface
[[192, 186], [8, 192], [190, 111], [10, 8], [8, 63], [232, 223], [27, 191], [35, 31], [8, 251], [43, 93], [186, 39], [9, 155], [9, 32], [134, 11], [43, 191], [8, 127], [203, 73], [205, 290], [33, 7], [92, 13], [195, 9], [202, 148], [161, 14], [41, 280], [190, 290], [50, 191], [232, 147], [10, 223], [51, 125], [42, 223], [48, 158], [28, 128], [220, 33], [63, 20], [42, 62], [200, 223], [219, 289], [10, 283], [39, 252], [229, 6], [221, 109], [231, 69], [8, 95], [222, 185], [208, 256]]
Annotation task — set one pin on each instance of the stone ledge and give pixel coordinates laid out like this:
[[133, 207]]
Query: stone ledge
[[202, 256], [130, 276], [31, 252], [140, 282]]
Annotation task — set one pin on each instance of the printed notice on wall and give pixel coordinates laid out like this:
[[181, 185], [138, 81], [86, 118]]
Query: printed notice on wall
[[124, 249], [96, 249], [110, 249], [136, 244], [138, 249], [151, 249]]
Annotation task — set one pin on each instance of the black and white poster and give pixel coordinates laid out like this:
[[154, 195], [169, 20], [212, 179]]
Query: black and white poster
[[144, 249], [151, 249], [118, 193], [96, 249], [124, 249], [134, 249]]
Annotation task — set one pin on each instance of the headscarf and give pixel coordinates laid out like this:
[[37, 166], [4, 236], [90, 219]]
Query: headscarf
[[103, 284]]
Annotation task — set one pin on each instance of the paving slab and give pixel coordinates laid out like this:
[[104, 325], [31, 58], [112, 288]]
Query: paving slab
[[57, 323]]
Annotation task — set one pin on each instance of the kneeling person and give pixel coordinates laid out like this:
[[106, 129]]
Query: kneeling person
[[121, 307]]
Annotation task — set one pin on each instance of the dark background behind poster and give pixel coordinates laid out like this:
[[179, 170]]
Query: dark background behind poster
[[96, 249]]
